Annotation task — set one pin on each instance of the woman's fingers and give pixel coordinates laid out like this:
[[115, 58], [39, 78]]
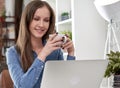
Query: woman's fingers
[[55, 38], [52, 36], [67, 44], [58, 44]]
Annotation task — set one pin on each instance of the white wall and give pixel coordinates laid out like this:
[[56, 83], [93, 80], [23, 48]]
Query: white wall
[[90, 31]]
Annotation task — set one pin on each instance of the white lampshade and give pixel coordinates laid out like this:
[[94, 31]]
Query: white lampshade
[[108, 9]]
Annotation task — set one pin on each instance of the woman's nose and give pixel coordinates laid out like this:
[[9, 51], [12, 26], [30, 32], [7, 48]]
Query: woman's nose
[[41, 23]]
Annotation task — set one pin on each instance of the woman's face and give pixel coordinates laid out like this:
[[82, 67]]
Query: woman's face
[[40, 23]]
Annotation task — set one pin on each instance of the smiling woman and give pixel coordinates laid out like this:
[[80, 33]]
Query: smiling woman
[[34, 46]]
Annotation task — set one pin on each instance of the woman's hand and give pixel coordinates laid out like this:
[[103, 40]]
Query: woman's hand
[[69, 46], [53, 43]]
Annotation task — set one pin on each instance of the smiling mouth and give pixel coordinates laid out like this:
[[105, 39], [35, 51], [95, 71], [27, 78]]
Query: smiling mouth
[[39, 30]]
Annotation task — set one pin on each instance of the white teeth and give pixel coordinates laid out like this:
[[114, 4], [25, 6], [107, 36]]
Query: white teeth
[[38, 30]]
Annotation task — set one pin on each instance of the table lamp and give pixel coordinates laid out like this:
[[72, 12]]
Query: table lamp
[[110, 11]]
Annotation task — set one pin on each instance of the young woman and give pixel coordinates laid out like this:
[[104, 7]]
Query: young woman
[[34, 46]]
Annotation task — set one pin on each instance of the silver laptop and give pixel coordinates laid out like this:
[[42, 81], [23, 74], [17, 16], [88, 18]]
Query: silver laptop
[[73, 74]]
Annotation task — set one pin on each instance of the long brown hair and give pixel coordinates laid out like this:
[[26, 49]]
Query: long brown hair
[[23, 44]]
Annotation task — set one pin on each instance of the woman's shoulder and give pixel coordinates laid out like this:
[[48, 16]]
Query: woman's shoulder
[[11, 49], [11, 55]]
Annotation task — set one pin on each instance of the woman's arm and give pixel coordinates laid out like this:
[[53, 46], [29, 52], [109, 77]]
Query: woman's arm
[[21, 79], [70, 57]]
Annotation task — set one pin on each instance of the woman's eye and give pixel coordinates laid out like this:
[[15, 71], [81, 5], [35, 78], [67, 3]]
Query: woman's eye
[[36, 19], [47, 20]]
